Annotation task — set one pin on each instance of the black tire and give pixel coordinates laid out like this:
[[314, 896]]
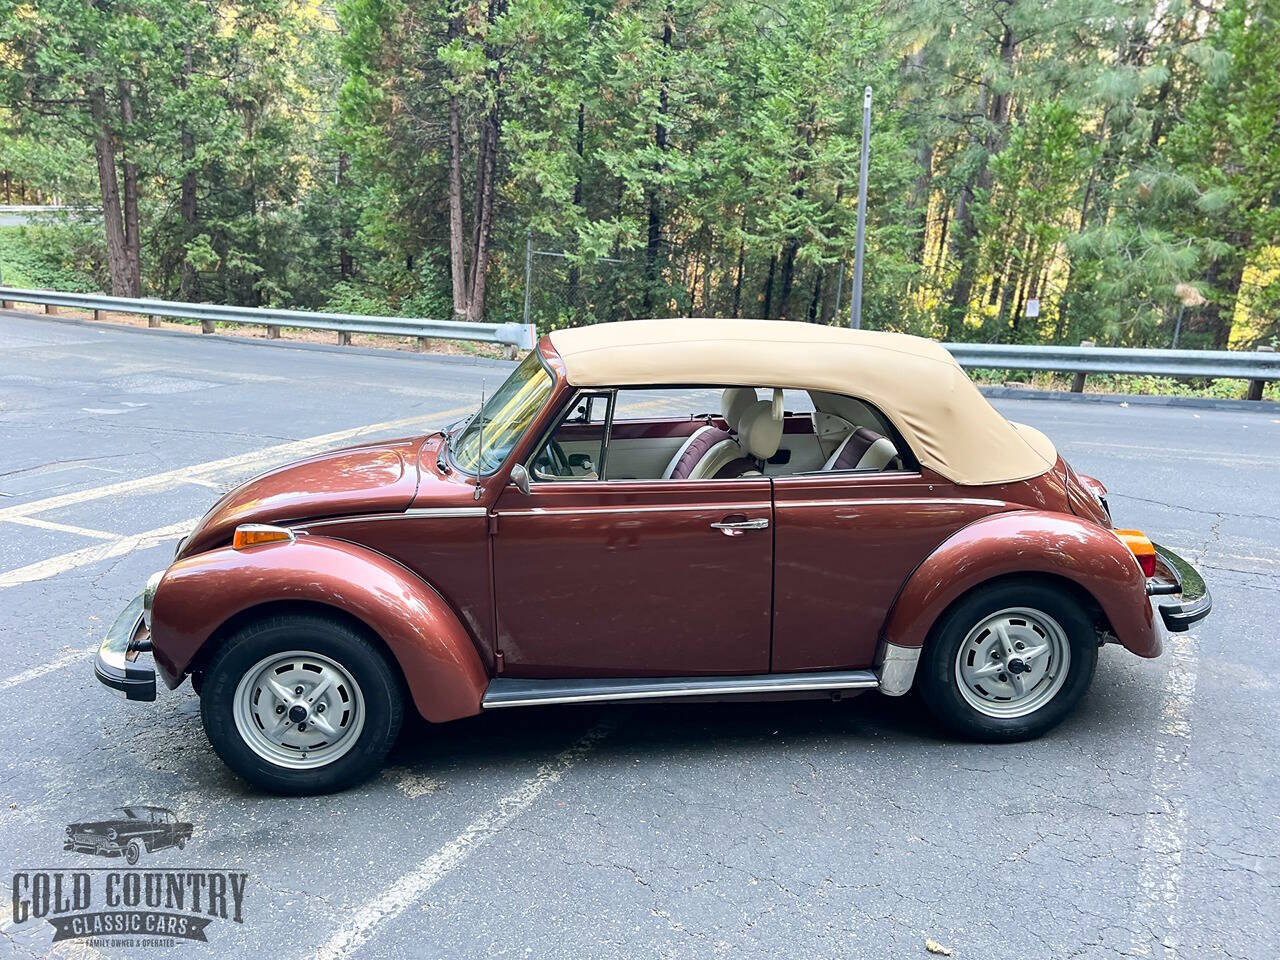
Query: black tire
[[362, 658], [132, 853], [939, 686]]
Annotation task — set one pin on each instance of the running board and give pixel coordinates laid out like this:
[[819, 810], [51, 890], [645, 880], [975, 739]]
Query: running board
[[516, 692]]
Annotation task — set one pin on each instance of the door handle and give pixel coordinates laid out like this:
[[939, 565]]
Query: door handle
[[735, 528]]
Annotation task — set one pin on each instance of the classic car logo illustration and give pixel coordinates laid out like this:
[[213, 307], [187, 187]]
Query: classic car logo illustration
[[127, 905], [128, 832]]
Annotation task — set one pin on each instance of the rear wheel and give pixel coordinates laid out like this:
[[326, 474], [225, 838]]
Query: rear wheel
[[1008, 662], [301, 704]]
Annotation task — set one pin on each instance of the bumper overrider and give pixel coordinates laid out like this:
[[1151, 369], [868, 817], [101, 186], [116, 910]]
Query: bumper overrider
[[117, 665], [1189, 600]]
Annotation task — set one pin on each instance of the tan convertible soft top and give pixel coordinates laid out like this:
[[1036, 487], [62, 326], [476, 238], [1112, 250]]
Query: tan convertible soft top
[[915, 382]]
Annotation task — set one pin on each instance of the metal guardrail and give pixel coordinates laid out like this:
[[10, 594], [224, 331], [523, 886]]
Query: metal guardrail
[[1256, 367], [1236, 364], [509, 334]]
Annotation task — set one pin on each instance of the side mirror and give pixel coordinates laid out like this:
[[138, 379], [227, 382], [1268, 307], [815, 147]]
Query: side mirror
[[520, 477]]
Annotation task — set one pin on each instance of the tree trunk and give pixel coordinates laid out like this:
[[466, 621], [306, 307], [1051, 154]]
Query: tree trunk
[[816, 300], [573, 294], [768, 288], [133, 242], [188, 285], [653, 242], [109, 191], [1223, 278], [788, 277], [484, 223], [457, 258]]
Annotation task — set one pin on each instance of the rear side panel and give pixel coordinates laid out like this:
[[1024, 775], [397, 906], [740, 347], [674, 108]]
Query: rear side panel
[[1030, 542]]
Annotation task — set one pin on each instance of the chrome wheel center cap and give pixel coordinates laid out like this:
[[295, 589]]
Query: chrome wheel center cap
[[297, 713]]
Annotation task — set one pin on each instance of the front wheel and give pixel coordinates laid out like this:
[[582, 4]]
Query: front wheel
[[1008, 662], [301, 704], [133, 853]]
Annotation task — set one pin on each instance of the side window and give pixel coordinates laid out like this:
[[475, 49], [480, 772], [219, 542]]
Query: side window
[[576, 448]]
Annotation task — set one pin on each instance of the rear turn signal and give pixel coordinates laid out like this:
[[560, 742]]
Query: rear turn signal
[[1140, 544], [255, 534]]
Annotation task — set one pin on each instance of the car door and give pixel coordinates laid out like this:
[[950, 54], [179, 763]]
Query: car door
[[630, 578], [845, 543]]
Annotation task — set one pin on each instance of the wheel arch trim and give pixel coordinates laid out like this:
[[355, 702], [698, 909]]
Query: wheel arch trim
[[1033, 543], [202, 594]]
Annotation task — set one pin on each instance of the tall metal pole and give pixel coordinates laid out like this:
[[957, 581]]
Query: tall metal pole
[[855, 308], [528, 275]]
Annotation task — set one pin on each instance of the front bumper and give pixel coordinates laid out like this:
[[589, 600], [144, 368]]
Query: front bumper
[[1189, 600], [116, 664]]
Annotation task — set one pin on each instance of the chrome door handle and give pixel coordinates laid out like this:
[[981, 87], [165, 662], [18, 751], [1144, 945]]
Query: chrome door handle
[[734, 528]]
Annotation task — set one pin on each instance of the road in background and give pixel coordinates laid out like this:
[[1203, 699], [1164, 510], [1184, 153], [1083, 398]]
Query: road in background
[[1145, 825]]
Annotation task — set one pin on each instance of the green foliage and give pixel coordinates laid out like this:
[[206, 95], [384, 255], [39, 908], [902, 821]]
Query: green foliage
[[1098, 157], [50, 256]]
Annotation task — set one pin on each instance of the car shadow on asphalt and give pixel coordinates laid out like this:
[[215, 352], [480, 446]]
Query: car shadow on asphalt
[[661, 728]]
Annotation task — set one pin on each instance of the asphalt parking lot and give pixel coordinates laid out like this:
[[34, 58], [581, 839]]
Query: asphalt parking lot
[[1148, 825]]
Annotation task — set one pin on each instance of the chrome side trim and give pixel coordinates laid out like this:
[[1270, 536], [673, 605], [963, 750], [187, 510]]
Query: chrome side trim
[[650, 508], [896, 502], [897, 669], [421, 512], [516, 692], [446, 512]]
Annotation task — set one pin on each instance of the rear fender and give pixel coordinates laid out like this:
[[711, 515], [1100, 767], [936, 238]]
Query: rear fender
[[199, 594], [1028, 542]]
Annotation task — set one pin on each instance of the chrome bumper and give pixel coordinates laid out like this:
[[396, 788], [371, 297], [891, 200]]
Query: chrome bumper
[[116, 665], [1189, 598]]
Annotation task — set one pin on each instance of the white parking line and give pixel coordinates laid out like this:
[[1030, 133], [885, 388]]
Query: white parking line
[[64, 659], [44, 569], [62, 528], [396, 898], [280, 452]]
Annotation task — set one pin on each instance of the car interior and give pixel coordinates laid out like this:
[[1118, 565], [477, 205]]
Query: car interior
[[670, 435]]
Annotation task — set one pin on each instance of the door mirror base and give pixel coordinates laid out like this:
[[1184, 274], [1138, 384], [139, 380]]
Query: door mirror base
[[520, 477]]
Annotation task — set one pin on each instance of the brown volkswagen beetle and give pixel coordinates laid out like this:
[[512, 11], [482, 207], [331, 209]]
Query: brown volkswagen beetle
[[850, 515]]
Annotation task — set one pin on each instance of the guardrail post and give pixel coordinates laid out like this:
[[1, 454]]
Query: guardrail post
[[273, 331], [50, 308], [424, 344], [154, 323], [7, 304], [1255, 386], [97, 315], [206, 326], [1077, 385], [344, 338]]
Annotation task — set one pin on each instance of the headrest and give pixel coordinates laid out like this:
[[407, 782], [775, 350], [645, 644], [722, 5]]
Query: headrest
[[758, 431], [734, 403]]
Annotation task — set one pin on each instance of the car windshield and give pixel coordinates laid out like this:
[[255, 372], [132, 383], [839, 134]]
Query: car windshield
[[505, 417]]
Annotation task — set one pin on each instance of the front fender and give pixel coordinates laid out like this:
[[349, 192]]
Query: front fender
[[1029, 542], [198, 594]]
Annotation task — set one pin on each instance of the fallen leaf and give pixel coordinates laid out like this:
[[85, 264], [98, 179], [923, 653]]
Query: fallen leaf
[[933, 946]]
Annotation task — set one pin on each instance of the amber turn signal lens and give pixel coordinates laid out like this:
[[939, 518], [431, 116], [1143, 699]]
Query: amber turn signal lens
[[255, 534], [1142, 548]]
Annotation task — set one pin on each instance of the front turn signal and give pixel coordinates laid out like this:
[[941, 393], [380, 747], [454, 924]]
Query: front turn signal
[[1142, 548], [256, 534]]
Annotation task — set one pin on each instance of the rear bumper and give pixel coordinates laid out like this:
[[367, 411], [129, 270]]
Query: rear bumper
[[116, 665], [1189, 600]]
